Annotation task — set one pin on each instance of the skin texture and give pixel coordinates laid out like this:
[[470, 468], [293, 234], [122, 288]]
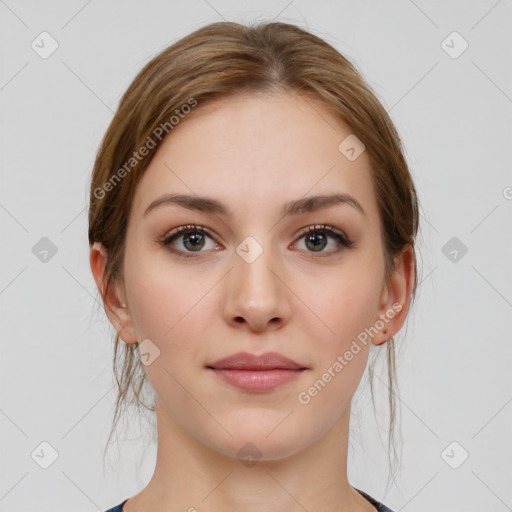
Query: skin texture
[[253, 153]]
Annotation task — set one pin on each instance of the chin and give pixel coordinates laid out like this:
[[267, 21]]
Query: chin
[[257, 440]]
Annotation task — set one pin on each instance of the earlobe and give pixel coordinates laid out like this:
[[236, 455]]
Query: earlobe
[[114, 305], [395, 298]]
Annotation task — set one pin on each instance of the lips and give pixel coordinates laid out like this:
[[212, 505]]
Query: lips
[[246, 361], [256, 373]]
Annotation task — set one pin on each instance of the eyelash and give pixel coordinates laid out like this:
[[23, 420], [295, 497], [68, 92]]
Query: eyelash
[[342, 240]]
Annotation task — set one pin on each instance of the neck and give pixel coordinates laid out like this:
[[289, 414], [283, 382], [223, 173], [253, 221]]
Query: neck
[[191, 475]]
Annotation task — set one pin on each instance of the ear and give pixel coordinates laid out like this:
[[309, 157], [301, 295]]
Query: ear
[[114, 301], [396, 296]]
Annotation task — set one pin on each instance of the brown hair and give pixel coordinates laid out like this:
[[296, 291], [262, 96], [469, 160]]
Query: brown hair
[[220, 60]]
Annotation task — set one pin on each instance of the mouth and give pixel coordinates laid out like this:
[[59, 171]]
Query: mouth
[[257, 373]]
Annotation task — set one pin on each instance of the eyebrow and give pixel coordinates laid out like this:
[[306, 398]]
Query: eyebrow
[[210, 205]]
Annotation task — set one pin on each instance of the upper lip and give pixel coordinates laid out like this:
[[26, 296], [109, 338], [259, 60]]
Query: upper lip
[[246, 361]]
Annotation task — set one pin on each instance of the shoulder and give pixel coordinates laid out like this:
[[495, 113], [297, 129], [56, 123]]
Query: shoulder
[[117, 508], [377, 504]]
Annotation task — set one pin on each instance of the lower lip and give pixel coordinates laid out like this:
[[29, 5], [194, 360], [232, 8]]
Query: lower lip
[[257, 380]]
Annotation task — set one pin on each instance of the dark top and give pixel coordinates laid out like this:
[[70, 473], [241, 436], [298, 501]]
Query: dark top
[[379, 506]]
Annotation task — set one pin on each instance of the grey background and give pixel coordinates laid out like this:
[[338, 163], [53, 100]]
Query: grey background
[[454, 115]]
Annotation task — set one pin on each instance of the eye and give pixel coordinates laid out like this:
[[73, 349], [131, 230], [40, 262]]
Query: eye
[[317, 237], [193, 240]]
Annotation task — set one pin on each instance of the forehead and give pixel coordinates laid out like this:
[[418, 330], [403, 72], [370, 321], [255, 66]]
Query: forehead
[[257, 149]]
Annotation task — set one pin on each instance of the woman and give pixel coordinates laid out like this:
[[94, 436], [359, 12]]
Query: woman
[[252, 228]]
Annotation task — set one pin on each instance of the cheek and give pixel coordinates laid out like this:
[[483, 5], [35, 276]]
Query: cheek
[[159, 298], [169, 307], [340, 356], [346, 307], [345, 304], [166, 309]]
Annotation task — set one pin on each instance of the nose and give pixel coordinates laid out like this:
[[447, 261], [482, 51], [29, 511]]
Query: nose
[[256, 296]]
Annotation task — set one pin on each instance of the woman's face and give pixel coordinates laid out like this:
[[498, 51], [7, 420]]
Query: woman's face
[[255, 282]]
